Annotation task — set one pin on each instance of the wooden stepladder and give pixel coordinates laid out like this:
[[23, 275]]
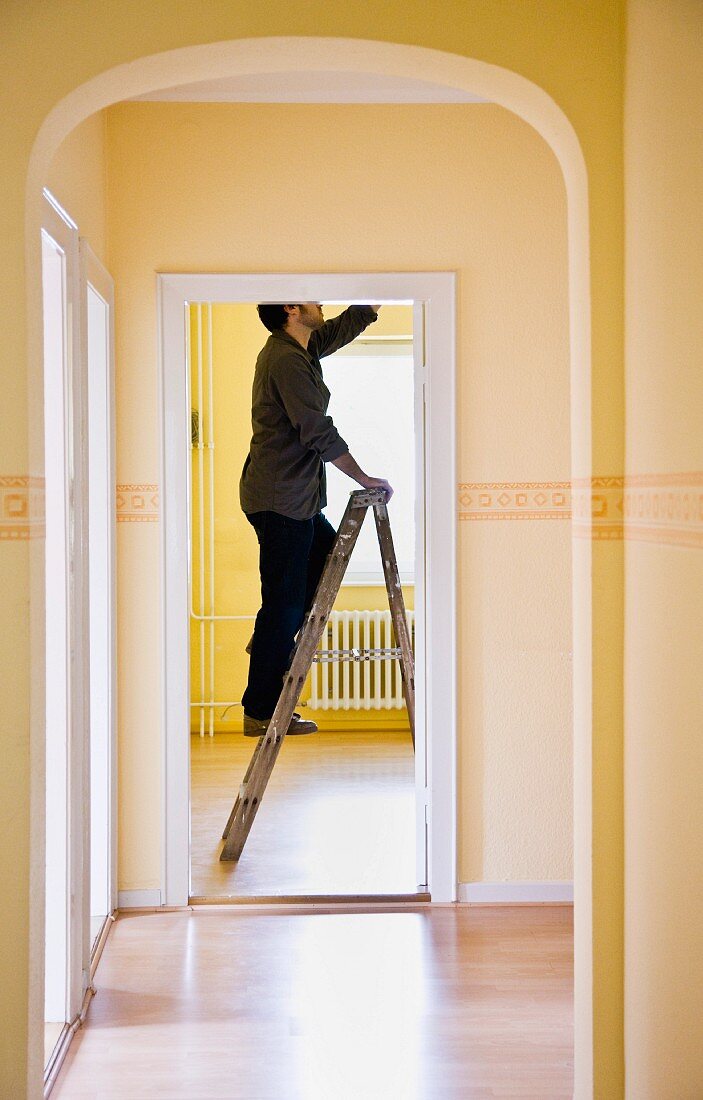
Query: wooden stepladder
[[269, 745]]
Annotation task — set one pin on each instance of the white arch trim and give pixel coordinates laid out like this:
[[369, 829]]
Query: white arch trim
[[490, 82], [322, 55]]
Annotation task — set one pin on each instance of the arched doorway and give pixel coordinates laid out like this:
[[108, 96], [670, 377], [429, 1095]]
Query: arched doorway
[[504, 88]]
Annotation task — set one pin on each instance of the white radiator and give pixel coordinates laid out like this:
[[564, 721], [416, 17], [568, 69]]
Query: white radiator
[[367, 684]]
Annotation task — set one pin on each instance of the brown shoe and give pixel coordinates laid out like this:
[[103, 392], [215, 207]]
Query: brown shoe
[[256, 727]]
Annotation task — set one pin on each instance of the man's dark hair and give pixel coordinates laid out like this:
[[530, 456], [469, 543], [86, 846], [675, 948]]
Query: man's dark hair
[[273, 315]]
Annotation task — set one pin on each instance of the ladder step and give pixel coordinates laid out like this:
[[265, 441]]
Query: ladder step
[[328, 655]]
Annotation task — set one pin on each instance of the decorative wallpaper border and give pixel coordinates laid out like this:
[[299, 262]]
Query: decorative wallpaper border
[[137, 503], [21, 508], [660, 508], [663, 508], [597, 508], [514, 500]]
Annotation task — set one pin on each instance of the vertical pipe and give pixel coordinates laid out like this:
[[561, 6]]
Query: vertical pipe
[[324, 669], [385, 667], [398, 679], [314, 673], [381, 643], [378, 644], [191, 527], [368, 643], [392, 678], [201, 519], [411, 629], [356, 669], [211, 451], [387, 664], [345, 664], [339, 665]]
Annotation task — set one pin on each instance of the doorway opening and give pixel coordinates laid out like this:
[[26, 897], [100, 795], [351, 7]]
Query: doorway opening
[[203, 318], [531, 103], [79, 581], [344, 812]]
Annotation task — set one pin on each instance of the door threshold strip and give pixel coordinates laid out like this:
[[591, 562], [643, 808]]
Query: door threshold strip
[[310, 900]]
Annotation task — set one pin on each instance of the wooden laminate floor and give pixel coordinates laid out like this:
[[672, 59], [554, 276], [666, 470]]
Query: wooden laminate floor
[[432, 1004], [338, 816]]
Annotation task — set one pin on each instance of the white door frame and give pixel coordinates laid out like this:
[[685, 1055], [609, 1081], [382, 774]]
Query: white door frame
[[67, 575], [102, 414], [67, 563], [437, 694]]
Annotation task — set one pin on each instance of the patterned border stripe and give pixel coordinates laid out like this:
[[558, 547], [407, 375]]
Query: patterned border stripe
[[665, 508], [137, 503], [598, 508], [514, 500], [21, 508], [693, 479]]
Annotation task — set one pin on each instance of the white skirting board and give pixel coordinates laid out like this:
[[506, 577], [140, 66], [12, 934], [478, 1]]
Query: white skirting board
[[139, 899], [516, 893]]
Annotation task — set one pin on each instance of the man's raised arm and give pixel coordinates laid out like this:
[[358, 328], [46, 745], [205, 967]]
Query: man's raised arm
[[341, 330]]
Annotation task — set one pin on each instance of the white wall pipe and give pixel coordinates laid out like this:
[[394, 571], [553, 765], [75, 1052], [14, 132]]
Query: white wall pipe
[[201, 515], [224, 618], [211, 466], [207, 547], [202, 618], [217, 703]]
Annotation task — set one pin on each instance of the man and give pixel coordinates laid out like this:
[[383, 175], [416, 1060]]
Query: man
[[282, 488]]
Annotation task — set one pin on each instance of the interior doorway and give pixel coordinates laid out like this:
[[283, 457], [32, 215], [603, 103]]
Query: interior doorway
[[79, 581], [429, 299], [344, 812], [527, 99]]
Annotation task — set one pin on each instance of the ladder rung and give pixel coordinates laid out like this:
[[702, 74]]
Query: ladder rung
[[328, 655]]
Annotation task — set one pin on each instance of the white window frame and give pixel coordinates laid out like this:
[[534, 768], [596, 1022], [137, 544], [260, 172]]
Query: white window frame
[[434, 298]]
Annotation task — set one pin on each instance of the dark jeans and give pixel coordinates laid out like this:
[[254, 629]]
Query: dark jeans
[[292, 555]]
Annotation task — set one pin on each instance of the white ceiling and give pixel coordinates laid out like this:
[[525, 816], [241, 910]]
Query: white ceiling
[[331, 87]]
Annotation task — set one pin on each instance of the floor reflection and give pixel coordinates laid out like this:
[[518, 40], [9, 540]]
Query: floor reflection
[[338, 816]]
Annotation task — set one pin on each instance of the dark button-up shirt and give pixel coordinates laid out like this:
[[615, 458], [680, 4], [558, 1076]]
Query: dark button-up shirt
[[292, 436]]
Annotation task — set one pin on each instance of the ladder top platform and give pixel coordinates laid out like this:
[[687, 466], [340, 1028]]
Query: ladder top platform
[[363, 498]]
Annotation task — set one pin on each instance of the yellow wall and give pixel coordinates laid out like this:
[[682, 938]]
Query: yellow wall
[[574, 51], [237, 338], [513, 403], [77, 179], [664, 650]]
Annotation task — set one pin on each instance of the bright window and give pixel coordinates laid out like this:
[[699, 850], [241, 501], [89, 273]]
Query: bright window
[[372, 408]]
